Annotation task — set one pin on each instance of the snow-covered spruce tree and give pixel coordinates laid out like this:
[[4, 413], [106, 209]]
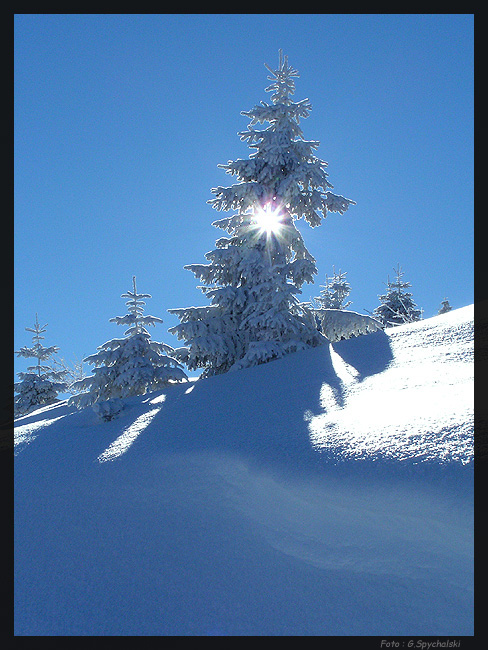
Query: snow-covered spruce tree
[[334, 291], [255, 273], [397, 305], [40, 385], [133, 365], [445, 307]]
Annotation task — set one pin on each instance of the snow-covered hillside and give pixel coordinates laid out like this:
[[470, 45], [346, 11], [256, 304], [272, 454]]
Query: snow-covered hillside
[[326, 493]]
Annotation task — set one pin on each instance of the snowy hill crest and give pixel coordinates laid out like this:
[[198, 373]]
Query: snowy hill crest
[[242, 504], [403, 393]]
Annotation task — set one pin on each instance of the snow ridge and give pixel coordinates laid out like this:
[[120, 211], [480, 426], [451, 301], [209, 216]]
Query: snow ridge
[[313, 495]]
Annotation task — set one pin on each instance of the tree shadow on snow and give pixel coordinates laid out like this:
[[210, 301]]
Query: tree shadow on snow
[[262, 411], [369, 354]]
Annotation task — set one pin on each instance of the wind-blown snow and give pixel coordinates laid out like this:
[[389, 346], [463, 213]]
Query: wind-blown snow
[[326, 493]]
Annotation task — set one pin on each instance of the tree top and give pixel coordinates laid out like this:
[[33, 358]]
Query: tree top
[[283, 82]]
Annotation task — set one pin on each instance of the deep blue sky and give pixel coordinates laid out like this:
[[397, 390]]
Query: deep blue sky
[[122, 119]]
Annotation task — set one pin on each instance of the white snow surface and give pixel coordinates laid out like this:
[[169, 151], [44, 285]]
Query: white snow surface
[[327, 493]]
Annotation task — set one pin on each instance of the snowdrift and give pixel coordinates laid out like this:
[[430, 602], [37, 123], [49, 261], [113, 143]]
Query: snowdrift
[[326, 493]]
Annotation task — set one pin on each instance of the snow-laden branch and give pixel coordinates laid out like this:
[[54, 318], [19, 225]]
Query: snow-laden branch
[[337, 324]]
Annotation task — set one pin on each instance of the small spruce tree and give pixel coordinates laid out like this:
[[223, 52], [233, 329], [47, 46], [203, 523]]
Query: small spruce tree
[[334, 292], [397, 305], [133, 365], [256, 272], [40, 385], [445, 307]]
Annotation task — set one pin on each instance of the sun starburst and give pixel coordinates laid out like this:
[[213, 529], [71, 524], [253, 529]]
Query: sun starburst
[[269, 219]]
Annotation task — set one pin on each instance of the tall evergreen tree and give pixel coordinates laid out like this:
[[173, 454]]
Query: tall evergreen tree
[[397, 305], [334, 292], [133, 365], [256, 272], [40, 385]]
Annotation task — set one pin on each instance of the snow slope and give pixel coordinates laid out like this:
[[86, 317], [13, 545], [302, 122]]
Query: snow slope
[[326, 493]]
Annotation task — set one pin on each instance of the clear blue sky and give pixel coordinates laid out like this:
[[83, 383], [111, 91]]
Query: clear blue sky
[[122, 119]]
